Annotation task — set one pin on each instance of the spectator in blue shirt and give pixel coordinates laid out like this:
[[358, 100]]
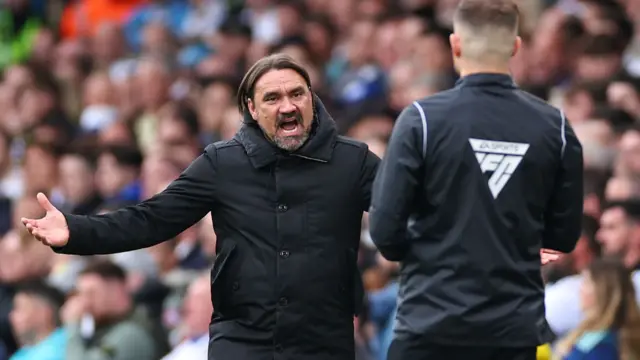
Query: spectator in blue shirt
[[36, 324], [171, 13]]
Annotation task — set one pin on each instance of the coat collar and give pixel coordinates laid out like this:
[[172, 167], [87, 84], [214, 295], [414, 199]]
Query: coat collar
[[487, 79], [319, 146]]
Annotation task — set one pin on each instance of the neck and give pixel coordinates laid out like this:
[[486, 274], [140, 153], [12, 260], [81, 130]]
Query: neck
[[470, 68], [36, 336], [122, 307]]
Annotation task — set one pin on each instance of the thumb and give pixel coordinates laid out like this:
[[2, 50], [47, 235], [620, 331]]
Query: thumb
[[45, 203]]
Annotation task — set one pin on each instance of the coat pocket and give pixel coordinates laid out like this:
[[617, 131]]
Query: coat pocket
[[219, 282]]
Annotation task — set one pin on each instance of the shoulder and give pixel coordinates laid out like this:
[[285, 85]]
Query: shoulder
[[129, 332], [432, 108], [47, 349], [568, 282], [635, 277], [221, 145], [543, 107], [356, 152], [351, 144], [352, 149], [596, 341], [561, 297], [225, 148]]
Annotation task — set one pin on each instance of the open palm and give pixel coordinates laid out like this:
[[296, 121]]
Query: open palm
[[52, 229]]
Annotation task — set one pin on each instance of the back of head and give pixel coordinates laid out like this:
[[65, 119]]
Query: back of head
[[124, 155], [106, 270], [487, 29]]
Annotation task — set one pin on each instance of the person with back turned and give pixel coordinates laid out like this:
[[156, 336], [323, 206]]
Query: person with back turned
[[287, 195], [480, 185]]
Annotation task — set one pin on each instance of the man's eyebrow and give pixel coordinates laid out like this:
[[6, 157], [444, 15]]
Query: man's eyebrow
[[297, 89], [270, 93]]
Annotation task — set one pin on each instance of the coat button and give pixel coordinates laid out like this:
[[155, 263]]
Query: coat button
[[282, 207], [283, 301], [235, 286], [284, 254], [279, 348]]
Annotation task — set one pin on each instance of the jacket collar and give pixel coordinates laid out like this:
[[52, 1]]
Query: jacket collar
[[486, 79], [319, 146]]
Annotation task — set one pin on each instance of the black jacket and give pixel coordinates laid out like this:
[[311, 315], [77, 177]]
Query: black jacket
[[484, 175], [285, 283]]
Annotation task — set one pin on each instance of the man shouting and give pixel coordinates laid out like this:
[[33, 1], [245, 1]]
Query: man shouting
[[287, 196]]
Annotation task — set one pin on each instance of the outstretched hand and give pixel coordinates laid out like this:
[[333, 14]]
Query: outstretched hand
[[548, 256], [52, 229]]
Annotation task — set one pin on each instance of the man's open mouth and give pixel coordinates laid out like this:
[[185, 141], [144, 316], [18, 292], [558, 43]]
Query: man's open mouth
[[289, 126]]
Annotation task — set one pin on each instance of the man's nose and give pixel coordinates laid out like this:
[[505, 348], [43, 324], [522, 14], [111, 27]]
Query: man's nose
[[287, 106]]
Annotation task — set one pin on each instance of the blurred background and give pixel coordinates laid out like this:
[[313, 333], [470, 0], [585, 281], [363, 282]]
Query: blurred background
[[104, 102]]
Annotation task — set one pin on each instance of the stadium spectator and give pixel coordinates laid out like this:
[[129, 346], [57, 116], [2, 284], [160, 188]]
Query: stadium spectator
[[194, 327], [116, 65], [611, 328], [102, 320], [36, 323], [619, 236]]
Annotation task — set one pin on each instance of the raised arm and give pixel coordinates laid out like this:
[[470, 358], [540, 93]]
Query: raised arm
[[396, 184], [185, 201]]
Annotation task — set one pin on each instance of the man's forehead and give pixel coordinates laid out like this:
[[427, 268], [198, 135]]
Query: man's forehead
[[614, 214], [279, 80]]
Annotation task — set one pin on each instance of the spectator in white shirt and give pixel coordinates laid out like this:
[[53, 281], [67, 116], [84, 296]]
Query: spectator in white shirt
[[619, 234], [197, 312]]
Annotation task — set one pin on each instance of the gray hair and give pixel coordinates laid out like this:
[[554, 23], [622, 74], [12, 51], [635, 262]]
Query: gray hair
[[276, 61]]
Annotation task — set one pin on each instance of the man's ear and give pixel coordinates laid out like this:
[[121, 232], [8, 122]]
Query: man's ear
[[454, 41], [517, 46], [252, 109]]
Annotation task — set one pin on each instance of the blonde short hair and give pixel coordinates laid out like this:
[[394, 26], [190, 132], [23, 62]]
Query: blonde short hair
[[487, 28]]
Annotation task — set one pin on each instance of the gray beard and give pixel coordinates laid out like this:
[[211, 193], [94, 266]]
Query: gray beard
[[288, 144], [291, 144]]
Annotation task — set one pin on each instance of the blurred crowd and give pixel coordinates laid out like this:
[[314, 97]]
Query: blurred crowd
[[104, 102]]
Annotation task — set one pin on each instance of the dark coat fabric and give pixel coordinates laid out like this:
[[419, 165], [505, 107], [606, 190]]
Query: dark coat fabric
[[285, 284], [476, 179]]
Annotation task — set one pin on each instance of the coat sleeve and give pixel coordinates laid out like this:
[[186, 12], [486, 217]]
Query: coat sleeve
[[563, 215], [396, 184], [185, 201], [367, 175]]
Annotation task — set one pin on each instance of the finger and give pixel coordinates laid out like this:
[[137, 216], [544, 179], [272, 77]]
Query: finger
[[45, 203], [28, 222], [549, 251], [548, 259]]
